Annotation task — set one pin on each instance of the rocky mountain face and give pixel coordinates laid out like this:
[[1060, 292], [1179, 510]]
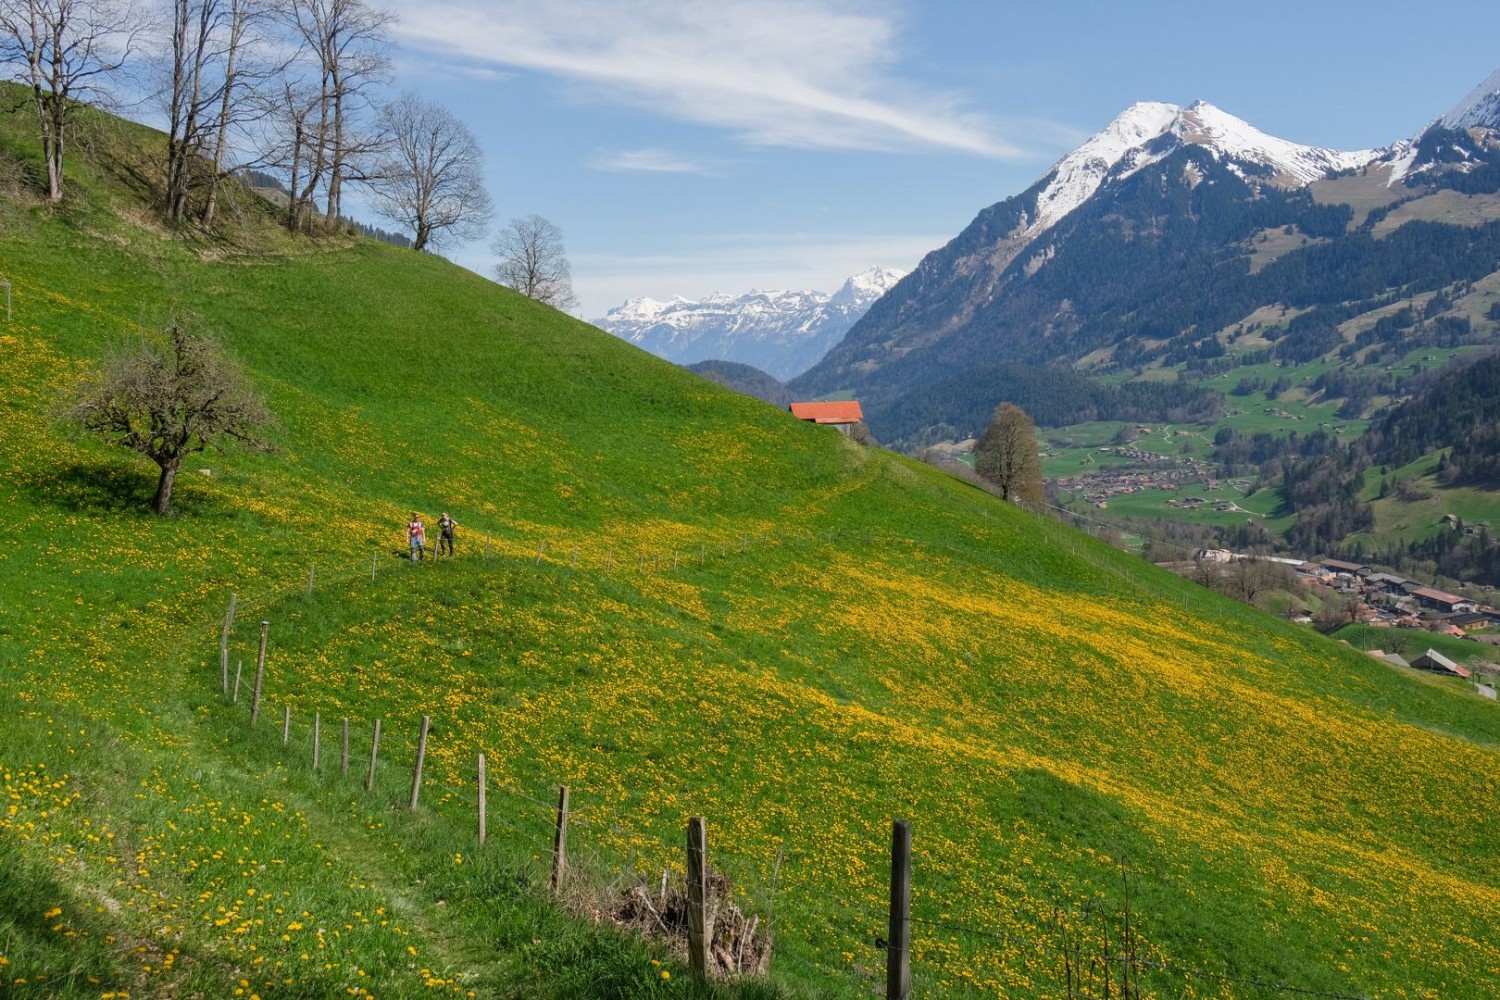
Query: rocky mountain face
[[1184, 234], [782, 333]]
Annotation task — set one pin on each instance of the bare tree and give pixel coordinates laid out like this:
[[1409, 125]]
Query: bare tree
[[210, 65], [1251, 579], [289, 141], [194, 27], [432, 183], [68, 48], [347, 41], [532, 261], [1007, 455], [169, 402]]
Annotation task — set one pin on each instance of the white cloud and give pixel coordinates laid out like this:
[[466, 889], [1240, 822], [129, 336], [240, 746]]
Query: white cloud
[[812, 74], [652, 161]]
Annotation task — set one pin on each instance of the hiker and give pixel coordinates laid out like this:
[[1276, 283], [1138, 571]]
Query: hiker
[[416, 537], [446, 525]]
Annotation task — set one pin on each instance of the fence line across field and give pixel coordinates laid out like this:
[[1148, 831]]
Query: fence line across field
[[899, 921], [897, 943]]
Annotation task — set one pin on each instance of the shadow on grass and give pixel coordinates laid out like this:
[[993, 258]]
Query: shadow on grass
[[115, 487]]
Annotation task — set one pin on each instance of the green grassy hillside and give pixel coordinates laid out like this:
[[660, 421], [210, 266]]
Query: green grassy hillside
[[732, 615]]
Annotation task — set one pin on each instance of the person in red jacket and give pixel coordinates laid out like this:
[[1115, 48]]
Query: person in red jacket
[[416, 537]]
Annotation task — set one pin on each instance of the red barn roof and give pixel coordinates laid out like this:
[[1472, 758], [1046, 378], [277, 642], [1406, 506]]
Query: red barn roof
[[843, 412]]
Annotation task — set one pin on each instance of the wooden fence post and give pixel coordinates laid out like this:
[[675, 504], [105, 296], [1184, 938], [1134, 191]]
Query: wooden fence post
[[560, 840], [344, 750], [317, 738], [312, 569], [697, 857], [374, 561], [224, 642], [416, 774], [898, 935], [260, 673], [286, 724], [239, 665], [374, 752], [541, 547], [674, 560], [575, 557], [609, 560], [481, 800]]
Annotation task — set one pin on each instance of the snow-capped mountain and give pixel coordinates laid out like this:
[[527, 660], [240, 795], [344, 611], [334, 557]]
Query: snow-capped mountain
[[782, 333], [1481, 107], [1162, 241], [1150, 131]]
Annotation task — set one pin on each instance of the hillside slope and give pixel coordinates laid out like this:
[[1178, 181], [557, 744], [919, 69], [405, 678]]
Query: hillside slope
[[676, 601]]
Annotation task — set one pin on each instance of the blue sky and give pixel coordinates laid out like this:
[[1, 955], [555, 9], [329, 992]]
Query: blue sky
[[692, 146]]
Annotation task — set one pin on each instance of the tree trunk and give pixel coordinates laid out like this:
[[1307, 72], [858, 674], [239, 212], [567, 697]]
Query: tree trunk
[[163, 502], [226, 108]]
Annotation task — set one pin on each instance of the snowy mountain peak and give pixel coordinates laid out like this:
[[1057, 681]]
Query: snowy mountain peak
[[867, 286], [1149, 131], [1481, 107], [1079, 174], [781, 332]]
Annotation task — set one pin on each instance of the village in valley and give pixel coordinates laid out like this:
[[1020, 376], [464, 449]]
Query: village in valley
[[1385, 600]]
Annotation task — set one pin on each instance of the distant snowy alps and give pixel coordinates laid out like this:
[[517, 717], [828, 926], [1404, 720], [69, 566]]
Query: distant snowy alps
[[781, 333]]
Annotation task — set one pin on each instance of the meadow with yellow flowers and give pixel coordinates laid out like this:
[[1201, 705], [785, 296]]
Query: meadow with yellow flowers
[[677, 602]]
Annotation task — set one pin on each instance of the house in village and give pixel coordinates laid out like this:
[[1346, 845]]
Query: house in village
[[1437, 663], [843, 414], [1387, 583], [1473, 619], [1344, 569], [1444, 603], [1313, 571]]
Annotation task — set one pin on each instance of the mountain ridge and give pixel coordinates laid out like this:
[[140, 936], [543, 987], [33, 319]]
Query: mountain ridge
[[1157, 240], [783, 333]]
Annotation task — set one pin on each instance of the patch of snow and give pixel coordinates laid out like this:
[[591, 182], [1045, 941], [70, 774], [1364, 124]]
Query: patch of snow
[[1229, 136], [1480, 107], [1079, 174], [1149, 131], [1402, 155]]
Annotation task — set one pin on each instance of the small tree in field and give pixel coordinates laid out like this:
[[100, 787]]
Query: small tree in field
[[1007, 457], [532, 261], [168, 402]]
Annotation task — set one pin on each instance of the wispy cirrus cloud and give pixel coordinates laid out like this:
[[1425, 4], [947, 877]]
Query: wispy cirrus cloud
[[811, 74], [650, 161]]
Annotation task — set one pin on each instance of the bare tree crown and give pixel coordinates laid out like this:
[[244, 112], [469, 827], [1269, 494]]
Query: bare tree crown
[[432, 179], [532, 261], [169, 401]]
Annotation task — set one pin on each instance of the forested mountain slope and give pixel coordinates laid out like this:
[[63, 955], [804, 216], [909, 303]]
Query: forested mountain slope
[[1194, 243]]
